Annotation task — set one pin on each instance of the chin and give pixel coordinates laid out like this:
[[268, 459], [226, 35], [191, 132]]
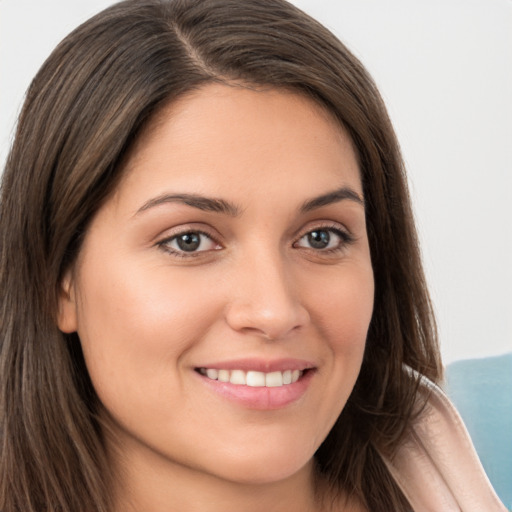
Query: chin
[[265, 468]]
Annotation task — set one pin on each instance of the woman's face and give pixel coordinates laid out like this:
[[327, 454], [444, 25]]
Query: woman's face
[[223, 293]]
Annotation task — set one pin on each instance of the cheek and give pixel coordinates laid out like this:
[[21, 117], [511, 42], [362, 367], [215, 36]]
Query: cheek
[[343, 309], [136, 323]]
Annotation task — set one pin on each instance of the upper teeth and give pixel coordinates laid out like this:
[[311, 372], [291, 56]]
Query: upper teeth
[[252, 378]]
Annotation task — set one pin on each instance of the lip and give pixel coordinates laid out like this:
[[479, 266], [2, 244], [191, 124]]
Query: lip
[[260, 398], [260, 365]]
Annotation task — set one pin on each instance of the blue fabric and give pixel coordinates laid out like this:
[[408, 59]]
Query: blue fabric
[[481, 389]]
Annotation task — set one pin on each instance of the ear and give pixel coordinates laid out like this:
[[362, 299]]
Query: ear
[[66, 315]]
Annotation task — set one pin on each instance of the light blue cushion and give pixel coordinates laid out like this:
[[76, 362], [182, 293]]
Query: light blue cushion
[[481, 389]]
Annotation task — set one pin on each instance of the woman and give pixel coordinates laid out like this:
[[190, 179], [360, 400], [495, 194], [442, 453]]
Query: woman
[[213, 290]]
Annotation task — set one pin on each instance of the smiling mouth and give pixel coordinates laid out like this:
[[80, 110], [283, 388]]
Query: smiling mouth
[[253, 378]]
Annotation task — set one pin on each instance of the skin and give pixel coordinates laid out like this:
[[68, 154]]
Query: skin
[[148, 314]]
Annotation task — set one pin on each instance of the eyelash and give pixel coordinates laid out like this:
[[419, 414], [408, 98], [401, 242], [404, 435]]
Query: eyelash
[[345, 237], [165, 244]]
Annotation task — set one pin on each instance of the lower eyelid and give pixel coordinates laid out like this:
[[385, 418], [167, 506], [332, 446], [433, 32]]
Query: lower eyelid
[[165, 244], [345, 236]]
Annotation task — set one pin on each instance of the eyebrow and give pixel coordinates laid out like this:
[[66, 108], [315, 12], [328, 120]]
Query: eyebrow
[[196, 201], [222, 206], [341, 194]]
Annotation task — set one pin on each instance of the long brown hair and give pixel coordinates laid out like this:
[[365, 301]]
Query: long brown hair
[[83, 111]]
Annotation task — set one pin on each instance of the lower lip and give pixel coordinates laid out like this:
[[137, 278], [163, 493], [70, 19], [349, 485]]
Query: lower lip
[[261, 398]]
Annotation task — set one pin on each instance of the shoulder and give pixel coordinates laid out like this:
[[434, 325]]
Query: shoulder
[[436, 466]]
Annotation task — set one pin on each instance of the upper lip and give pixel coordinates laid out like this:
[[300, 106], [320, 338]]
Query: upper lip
[[260, 365]]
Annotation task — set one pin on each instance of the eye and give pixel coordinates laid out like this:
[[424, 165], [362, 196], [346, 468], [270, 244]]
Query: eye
[[189, 242], [324, 239]]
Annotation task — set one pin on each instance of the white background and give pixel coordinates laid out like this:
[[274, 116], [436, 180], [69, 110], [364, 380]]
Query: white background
[[444, 68]]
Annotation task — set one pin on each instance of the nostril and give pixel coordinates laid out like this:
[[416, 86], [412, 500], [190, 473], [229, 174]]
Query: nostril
[[268, 323]]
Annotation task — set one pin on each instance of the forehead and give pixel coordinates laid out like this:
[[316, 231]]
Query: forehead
[[213, 98], [221, 137]]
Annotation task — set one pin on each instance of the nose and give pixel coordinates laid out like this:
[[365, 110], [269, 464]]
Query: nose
[[264, 300]]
